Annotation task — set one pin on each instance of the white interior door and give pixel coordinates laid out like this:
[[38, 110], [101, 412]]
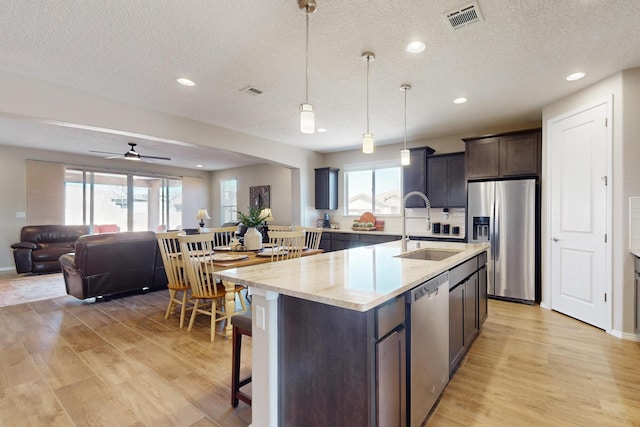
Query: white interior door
[[578, 185]]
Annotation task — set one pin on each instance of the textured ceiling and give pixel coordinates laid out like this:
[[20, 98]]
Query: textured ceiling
[[508, 65]]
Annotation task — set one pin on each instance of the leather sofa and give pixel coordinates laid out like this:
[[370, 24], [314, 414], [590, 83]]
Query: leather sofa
[[41, 246], [112, 263]]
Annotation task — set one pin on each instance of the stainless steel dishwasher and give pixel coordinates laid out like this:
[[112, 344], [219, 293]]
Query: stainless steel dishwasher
[[428, 353]]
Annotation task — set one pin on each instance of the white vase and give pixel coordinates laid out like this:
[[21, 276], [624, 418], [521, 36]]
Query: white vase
[[252, 239]]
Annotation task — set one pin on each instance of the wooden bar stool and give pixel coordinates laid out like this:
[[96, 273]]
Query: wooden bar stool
[[241, 326]]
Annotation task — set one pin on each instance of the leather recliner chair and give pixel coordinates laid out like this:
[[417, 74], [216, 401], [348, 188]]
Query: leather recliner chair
[[112, 263], [41, 246]]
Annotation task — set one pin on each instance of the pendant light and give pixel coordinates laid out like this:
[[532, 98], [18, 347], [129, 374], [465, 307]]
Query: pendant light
[[367, 138], [307, 114], [405, 157]]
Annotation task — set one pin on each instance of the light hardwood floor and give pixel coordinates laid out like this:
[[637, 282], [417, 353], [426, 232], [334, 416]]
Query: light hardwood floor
[[533, 367], [65, 362]]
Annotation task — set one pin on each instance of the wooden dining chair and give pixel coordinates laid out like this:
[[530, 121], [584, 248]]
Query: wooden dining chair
[[207, 293], [286, 244], [311, 236], [177, 283], [278, 227], [222, 235]]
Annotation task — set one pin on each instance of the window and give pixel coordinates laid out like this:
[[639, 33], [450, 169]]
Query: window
[[229, 200], [373, 190], [122, 201]]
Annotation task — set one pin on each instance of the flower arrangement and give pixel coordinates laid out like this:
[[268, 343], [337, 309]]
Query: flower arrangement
[[253, 218]]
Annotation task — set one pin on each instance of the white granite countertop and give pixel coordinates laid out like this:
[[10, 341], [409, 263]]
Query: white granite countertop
[[635, 252], [357, 279]]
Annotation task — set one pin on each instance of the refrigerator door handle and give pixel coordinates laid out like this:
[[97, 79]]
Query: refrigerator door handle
[[495, 240]]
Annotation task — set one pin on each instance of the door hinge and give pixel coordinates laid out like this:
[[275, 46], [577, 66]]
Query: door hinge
[[606, 122], [605, 297], [605, 237], [606, 180]]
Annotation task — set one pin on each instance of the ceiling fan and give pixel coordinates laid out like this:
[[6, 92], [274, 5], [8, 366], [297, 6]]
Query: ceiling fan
[[132, 154]]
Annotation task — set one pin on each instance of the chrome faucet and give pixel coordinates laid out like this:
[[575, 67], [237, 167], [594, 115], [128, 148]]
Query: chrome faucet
[[405, 238]]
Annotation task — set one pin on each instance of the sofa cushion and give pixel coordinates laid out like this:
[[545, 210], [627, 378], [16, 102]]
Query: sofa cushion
[[50, 254], [52, 233]]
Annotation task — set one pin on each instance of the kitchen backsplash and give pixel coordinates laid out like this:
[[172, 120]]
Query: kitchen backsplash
[[455, 219], [416, 222]]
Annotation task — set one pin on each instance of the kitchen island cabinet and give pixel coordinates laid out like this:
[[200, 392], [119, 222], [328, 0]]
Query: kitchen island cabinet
[[329, 330], [361, 356], [467, 306]]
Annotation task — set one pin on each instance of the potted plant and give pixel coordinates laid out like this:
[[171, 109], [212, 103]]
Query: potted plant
[[252, 238]]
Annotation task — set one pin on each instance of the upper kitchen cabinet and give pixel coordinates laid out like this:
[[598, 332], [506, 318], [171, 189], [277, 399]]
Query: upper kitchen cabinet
[[446, 180], [505, 155], [327, 188], [414, 176]]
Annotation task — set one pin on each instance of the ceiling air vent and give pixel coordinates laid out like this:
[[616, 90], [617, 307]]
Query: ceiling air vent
[[463, 16], [251, 90]]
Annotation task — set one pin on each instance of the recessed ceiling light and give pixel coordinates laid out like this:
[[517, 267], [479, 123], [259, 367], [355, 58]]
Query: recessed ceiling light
[[185, 82], [199, 166], [321, 130], [460, 100], [575, 76], [415, 47]]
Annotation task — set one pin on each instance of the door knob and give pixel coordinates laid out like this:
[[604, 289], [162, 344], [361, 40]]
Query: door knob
[[555, 239]]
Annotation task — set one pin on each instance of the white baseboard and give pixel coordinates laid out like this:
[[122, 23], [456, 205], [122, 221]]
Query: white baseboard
[[630, 337], [6, 268]]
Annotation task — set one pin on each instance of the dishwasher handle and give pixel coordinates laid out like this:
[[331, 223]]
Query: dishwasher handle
[[429, 288]]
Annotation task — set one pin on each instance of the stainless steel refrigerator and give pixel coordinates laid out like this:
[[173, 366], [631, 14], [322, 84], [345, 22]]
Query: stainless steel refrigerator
[[504, 214]]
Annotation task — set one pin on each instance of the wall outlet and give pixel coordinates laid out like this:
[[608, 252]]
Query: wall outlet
[[21, 214]]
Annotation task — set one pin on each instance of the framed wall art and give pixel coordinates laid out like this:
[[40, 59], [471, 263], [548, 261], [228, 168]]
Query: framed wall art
[[259, 197]]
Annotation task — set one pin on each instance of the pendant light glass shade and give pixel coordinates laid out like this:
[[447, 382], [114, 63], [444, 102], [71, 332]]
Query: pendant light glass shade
[[405, 155], [307, 113], [367, 143], [367, 138], [307, 119]]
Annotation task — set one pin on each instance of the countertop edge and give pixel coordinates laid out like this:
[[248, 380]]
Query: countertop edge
[[235, 275]]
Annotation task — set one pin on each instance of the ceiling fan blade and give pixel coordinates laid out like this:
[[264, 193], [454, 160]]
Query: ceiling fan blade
[[115, 156], [103, 152], [142, 156]]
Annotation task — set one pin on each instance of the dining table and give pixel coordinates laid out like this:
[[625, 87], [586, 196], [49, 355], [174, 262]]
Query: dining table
[[224, 258]]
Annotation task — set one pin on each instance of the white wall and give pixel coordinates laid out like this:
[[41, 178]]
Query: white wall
[[277, 177], [13, 187], [625, 182]]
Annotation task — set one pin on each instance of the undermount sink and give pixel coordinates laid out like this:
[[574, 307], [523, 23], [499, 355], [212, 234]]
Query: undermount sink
[[430, 254]]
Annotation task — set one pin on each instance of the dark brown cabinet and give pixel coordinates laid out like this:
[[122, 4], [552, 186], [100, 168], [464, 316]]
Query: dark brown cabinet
[[505, 155], [336, 241], [414, 176], [326, 188], [357, 372], [467, 306], [446, 180], [470, 309]]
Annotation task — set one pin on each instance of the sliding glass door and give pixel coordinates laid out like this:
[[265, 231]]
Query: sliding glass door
[[122, 202]]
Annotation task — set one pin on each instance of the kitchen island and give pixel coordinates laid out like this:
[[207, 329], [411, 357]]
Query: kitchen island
[[317, 322]]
